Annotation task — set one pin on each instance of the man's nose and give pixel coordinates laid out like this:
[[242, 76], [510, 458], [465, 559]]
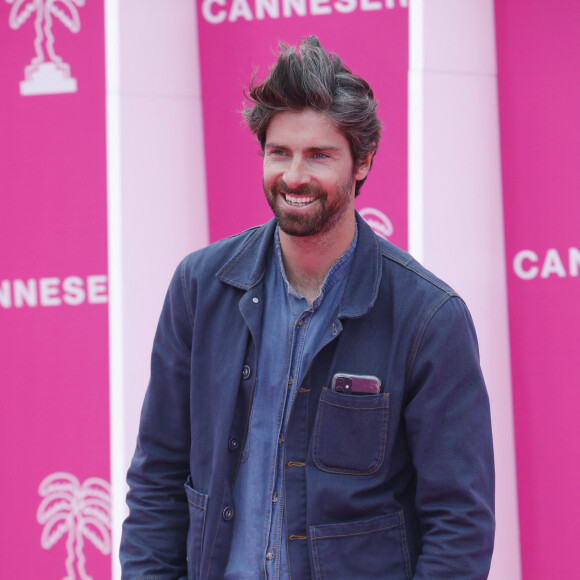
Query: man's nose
[[296, 173]]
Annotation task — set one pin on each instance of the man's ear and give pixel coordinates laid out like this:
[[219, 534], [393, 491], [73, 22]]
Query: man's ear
[[364, 166]]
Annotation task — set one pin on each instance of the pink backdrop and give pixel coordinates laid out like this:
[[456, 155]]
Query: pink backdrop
[[237, 36], [539, 96], [53, 293]]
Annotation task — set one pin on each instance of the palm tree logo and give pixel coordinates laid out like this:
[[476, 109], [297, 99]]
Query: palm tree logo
[[47, 73], [79, 511]]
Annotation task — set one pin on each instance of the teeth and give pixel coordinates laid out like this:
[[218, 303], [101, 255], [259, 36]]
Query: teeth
[[298, 199]]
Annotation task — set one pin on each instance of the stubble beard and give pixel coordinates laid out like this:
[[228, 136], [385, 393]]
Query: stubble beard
[[319, 220]]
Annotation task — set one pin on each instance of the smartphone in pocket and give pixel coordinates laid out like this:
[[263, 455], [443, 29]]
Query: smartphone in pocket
[[355, 384]]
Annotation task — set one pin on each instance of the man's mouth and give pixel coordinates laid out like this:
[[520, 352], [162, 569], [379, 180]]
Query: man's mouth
[[298, 200]]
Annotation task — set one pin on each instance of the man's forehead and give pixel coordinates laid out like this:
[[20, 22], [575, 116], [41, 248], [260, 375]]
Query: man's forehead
[[314, 129]]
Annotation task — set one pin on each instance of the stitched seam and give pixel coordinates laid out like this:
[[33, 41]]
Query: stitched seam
[[305, 422], [185, 294], [315, 552], [286, 513], [404, 545], [377, 408], [267, 528], [235, 260], [375, 284], [357, 533], [248, 418], [377, 268], [345, 470], [197, 506], [420, 333], [410, 265], [243, 286], [302, 344], [216, 534]]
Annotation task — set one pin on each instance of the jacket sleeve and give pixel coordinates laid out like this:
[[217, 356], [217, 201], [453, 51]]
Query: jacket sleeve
[[449, 432], [154, 535]]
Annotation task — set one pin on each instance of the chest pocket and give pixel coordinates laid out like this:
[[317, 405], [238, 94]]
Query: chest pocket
[[350, 432]]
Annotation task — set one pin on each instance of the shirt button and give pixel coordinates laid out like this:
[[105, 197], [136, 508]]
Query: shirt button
[[290, 380], [246, 372], [228, 513], [281, 440], [275, 498], [269, 556], [255, 300], [233, 443]]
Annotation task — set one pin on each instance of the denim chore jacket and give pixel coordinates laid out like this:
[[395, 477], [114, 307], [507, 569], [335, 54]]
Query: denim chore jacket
[[397, 485]]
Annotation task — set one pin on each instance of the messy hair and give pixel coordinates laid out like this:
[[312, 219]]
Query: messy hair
[[310, 77]]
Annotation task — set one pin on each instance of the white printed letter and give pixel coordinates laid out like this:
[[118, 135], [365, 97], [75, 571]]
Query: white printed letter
[[5, 298], [318, 7], [370, 5], [48, 290], [97, 289], [240, 8], [553, 264], [25, 293], [212, 18], [269, 7], [299, 7], [345, 6], [519, 266], [74, 293], [574, 259]]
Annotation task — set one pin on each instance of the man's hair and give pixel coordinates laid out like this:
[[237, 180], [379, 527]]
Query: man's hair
[[310, 77]]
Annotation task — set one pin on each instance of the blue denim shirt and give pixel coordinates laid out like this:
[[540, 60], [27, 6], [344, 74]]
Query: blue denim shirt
[[398, 485], [292, 329]]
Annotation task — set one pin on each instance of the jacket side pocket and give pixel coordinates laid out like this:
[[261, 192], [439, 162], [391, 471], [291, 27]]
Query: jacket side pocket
[[366, 550], [197, 503]]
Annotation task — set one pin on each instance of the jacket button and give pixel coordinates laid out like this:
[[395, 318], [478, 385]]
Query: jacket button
[[228, 513], [246, 372], [233, 443]]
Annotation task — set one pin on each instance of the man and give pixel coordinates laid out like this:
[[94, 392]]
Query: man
[[316, 407]]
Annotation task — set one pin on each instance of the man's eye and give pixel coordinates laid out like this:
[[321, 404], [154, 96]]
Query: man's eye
[[277, 153], [320, 156]]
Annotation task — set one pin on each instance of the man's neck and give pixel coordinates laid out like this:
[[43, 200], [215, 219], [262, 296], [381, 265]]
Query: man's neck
[[308, 259]]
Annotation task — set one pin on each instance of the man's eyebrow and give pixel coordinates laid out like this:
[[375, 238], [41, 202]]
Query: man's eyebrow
[[323, 148], [308, 149]]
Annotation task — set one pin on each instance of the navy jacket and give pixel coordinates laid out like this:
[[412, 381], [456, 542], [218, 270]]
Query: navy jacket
[[397, 485]]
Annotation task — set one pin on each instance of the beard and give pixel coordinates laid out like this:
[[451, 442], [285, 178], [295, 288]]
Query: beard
[[319, 219]]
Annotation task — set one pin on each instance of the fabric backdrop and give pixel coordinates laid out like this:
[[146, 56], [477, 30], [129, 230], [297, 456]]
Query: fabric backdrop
[[539, 95], [54, 387], [237, 37]]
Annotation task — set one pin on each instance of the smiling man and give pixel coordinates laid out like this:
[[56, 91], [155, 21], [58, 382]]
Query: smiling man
[[316, 406]]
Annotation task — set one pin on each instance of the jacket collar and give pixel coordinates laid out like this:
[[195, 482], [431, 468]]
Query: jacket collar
[[246, 269]]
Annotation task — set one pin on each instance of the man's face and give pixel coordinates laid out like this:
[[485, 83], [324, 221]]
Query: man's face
[[308, 172]]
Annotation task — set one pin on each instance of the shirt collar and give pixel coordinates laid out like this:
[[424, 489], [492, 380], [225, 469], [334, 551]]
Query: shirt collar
[[245, 269], [338, 271]]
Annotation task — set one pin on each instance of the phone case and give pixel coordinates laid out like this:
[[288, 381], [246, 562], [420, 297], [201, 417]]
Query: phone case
[[351, 384]]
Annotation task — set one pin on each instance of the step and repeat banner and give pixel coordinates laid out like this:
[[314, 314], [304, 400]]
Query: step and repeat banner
[[539, 96], [54, 402], [238, 37], [54, 375]]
